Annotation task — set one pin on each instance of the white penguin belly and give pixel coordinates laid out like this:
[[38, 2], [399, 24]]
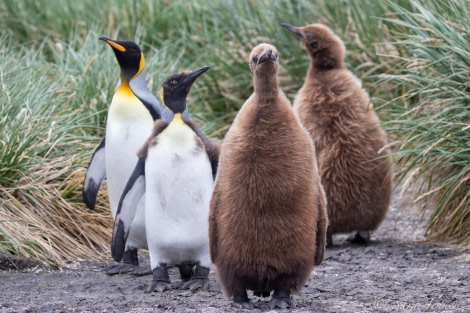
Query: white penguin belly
[[126, 132], [179, 184], [125, 135]]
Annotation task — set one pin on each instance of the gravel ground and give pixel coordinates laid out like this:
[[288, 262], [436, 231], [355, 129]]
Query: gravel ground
[[396, 272]]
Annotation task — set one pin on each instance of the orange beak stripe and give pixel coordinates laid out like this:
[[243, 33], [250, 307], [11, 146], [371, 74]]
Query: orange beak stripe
[[116, 46]]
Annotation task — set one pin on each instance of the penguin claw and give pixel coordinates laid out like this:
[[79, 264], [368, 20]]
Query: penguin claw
[[196, 283], [243, 304], [281, 303], [159, 286], [241, 301], [141, 271], [281, 299], [120, 268]]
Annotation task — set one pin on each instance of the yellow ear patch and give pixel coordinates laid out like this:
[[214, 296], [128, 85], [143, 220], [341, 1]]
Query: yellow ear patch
[[162, 98], [116, 46], [142, 63]]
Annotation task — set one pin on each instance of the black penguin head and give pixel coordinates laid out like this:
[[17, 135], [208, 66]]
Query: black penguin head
[[325, 48], [264, 59], [176, 87], [129, 56]]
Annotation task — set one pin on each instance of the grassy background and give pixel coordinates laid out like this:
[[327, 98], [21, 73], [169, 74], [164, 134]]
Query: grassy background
[[57, 79]]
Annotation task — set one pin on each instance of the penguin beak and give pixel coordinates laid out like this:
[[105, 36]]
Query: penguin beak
[[113, 44], [268, 55], [293, 29], [195, 74]]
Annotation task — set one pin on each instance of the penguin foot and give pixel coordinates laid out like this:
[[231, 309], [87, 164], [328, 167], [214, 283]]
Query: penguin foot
[[120, 268], [186, 271], [362, 237], [141, 271], [197, 283], [241, 301], [199, 280], [243, 305], [161, 279], [281, 300], [130, 256], [159, 286], [263, 294], [130, 261]]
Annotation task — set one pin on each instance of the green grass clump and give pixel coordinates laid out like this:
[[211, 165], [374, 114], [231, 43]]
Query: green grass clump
[[432, 117], [54, 104], [57, 80], [42, 150]]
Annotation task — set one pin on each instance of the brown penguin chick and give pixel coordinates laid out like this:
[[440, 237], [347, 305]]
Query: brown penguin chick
[[267, 218], [356, 173]]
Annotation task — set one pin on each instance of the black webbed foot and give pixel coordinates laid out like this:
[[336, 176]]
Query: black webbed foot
[[130, 261], [361, 237], [241, 301], [159, 286], [161, 279], [281, 299], [141, 271], [120, 268], [200, 279], [196, 283], [186, 271]]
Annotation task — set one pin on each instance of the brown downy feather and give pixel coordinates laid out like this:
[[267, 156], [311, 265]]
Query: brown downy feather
[[267, 222], [347, 134]]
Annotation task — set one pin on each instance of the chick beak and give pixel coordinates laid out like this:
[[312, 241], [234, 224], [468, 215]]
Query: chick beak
[[195, 74], [265, 56], [293, 29]]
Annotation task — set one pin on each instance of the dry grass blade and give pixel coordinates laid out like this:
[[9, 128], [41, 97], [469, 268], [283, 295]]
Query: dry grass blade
[[49, 228]]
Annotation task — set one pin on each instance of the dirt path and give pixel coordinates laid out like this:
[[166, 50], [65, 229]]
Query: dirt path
[[395, 273]]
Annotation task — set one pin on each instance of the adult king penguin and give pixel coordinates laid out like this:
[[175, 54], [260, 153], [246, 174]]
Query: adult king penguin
[[176, 171], [130, 120], [354, 166], [267, 220]]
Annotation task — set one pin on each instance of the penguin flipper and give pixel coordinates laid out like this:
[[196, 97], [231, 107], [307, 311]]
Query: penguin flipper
[[152, 106], [322, 224], [212, 148], [94, 176], [134, 190]]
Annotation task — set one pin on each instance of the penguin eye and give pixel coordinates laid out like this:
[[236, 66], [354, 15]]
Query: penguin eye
[[255, 60], [174, 82], [314, 45]]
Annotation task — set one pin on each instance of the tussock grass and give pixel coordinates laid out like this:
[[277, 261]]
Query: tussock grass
[[41, 155], [57, 79], [432, 115]]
